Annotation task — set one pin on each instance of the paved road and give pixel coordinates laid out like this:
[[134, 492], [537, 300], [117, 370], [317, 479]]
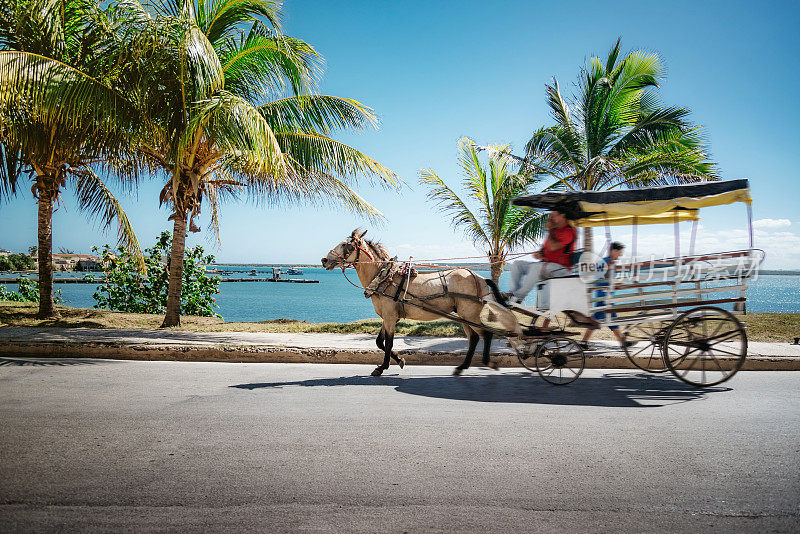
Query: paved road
[[103, 445]]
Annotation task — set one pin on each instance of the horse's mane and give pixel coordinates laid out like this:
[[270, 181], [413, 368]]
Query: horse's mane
[[378, 248]]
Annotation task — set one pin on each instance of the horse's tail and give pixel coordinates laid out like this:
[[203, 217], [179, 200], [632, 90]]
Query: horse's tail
[[496, 292]]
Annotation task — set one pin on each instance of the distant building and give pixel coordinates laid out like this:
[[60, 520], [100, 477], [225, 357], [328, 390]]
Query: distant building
[[89, 265], [77, 262]]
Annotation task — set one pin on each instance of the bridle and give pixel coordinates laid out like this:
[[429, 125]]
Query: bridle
[[352, 244]]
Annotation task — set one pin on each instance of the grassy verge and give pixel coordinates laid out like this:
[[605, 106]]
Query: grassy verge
[[774, 327]]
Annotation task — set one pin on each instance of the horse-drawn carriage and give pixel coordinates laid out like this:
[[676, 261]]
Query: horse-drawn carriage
[[668, 310]]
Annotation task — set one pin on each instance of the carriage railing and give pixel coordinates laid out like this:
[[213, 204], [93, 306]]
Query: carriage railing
[[662, 289]]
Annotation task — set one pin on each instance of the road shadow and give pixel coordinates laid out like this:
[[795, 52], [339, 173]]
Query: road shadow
[[45, 362], [634, 390]]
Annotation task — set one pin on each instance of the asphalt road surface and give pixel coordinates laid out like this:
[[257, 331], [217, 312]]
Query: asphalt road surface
[[98, 445]]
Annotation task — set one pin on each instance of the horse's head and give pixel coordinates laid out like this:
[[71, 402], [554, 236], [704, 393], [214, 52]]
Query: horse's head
[[345, 252]]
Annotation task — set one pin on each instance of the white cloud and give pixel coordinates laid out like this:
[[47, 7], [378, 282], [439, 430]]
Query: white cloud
[[772, 224]]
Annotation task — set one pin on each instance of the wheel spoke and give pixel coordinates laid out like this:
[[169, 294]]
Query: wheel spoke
[[719, 327], [737, 354], [704, 367], [716, 361], [683, 356], [691, 366], [725, 336]]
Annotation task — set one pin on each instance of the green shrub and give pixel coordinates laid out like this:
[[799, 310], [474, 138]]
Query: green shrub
[[5, 294], [28, 292], [17, 262], [126, 289]]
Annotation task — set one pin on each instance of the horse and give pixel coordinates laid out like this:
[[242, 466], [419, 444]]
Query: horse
[[398, 293]]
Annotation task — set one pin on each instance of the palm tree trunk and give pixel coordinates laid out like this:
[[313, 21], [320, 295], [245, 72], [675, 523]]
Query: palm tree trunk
[[496, 268], [47, 307], [173, 317], [588, 234]]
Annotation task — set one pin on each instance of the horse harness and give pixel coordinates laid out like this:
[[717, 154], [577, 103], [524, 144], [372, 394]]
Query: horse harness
[[386, 282]]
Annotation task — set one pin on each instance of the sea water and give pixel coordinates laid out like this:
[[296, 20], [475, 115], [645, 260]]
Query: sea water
[[333, 299]]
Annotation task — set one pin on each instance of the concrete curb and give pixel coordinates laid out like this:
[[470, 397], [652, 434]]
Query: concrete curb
[[284, 354]]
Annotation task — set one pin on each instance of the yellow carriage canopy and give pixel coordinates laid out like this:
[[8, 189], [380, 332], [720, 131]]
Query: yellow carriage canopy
[[645, 205]]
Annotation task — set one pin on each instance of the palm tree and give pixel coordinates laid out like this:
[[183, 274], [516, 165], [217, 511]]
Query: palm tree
[[498, 226], [615, 133], [230, 101], [60, 120]]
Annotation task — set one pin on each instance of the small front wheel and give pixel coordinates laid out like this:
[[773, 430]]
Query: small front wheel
[[560, 360], [646, 341], [526, 353]]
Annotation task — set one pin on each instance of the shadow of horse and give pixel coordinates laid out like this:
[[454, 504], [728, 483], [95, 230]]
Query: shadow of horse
[[640, 390]]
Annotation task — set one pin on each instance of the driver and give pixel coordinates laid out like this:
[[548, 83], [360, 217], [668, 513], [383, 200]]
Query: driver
[[555, 258]]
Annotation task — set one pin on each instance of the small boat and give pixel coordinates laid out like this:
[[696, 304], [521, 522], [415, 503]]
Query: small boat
[[294, 270]]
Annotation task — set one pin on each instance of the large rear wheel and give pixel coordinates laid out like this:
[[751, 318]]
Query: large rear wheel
[[705, 346]]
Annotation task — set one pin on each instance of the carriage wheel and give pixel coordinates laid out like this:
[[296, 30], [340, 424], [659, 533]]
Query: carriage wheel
[[705, 346], [647, 353], [559, 360]]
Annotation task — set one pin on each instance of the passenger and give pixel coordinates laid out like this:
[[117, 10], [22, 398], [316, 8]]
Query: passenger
[[614, 252], [555, 258]]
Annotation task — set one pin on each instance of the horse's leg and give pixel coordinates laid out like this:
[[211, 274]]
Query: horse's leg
[[473, 342], [388, 341], [487, 349], [380, 342]]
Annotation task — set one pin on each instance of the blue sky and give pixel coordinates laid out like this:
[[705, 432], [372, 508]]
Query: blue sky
[[435, 71]]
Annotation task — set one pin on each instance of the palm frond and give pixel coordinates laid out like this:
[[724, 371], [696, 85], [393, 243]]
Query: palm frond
[[321, 154], [449, 202], [320, 113], [647, 127], [265, 64], [220, 19], [95, 198], [316, 186], [238, 128], [475, 175], [57, 95], [201, 70], [523, 227], [550, 152], [673, 157], [11, 166]]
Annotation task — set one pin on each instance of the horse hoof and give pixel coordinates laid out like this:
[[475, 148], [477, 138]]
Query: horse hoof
[[401, 362], [378, 371], [494, 365], [457, 371]]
